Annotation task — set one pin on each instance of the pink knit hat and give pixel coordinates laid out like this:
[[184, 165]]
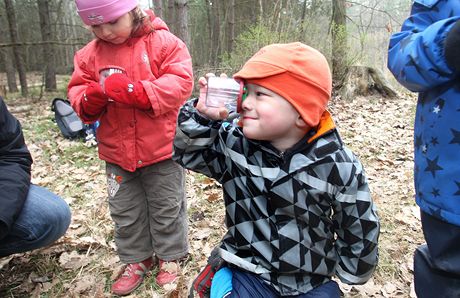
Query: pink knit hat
[[96, 12]]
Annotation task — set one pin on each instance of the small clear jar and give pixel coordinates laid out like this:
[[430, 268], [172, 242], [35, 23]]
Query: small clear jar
[[107, 71], [224, 92]]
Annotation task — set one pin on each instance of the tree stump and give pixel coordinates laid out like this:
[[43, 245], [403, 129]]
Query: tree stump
[[364, 81]]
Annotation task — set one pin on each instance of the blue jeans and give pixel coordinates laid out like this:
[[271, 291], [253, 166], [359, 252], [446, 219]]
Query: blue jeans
[[44, 218], [245, 284]]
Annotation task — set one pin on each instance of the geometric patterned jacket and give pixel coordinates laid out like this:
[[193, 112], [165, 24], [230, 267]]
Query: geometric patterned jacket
[[297, 218]]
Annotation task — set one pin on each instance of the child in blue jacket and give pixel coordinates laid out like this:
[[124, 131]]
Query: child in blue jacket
[[424, 58]]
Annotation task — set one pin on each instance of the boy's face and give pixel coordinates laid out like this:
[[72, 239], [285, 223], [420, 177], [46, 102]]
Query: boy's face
[[269, 117], [117, 31]]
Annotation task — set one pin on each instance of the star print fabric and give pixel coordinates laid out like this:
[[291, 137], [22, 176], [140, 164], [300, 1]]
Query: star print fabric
[[417, 58]]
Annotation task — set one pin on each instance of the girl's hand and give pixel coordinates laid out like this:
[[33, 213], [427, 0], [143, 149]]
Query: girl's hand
[[94, 99], [123, 90], [209, 112]]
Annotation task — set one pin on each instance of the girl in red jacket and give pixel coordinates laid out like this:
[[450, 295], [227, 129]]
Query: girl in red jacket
[[137, 110]]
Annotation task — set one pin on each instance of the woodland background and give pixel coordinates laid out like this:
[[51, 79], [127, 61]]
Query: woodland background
[[42, 35], [37, 42]]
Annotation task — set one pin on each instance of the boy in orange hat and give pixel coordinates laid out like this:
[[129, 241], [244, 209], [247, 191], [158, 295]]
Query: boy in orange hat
[[298, 207]]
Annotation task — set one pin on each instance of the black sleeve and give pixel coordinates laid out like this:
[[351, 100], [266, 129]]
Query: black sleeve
[[452, 47], [15, 167]]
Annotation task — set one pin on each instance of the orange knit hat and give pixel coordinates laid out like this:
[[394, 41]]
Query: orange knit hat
[[295, 71]]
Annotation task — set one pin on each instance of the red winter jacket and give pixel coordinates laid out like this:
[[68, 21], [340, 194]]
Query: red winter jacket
[[131, 137]]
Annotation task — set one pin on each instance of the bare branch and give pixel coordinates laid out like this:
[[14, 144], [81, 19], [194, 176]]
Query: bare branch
[[39, 43], [376, 9]]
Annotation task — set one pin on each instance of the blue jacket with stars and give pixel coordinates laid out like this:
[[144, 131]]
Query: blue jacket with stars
[[423, 58]]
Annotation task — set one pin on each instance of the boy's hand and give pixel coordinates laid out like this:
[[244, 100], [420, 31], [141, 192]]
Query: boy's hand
[[94, 99], [209, 112], [122, 89]]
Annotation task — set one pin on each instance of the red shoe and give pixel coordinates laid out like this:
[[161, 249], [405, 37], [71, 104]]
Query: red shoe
[[131, 278], [168, 272]]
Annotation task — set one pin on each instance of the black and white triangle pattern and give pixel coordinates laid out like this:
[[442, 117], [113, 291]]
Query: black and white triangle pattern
[[297, 219]]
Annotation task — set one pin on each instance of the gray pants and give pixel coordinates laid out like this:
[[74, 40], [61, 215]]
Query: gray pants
[[149, 209]]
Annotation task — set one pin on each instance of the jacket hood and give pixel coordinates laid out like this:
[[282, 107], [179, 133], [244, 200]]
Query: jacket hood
[[158, 24], [151, 23]]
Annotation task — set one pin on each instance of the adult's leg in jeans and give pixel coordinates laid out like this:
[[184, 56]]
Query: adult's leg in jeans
[[44, 218], [437, 264]]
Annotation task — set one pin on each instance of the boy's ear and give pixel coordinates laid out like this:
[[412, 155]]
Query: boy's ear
[[300, 123]]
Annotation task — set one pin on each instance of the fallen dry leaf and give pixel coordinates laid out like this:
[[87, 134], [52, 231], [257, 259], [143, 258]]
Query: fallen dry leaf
[[85, 262], [73, 260]]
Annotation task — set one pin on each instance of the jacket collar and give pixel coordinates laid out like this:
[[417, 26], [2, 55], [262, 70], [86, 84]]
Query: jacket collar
[[325, 125]]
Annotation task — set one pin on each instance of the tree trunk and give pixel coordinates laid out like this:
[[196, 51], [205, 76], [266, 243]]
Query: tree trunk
[[253, 11], [215, 33], [71, 25], [230, 25], [2, 62], [182, 20], [365, 81], [207, 6], [339, 41], [302, 20], [10, 71], [276, 15], [171, 16], [48, 48], [5, 58], [158, 8], [18, 57]]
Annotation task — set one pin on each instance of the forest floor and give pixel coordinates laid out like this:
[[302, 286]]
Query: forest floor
[[84, 262]]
